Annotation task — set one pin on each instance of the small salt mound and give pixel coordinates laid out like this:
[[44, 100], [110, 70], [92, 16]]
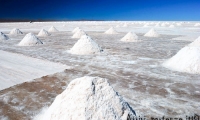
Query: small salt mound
[[163, 25], [117, 26], [89, 98], [75, 29], [187, 59], [78, 34], [197, 24], [171, 26], [152, 33], [157, 25], [178, 24], [125, 25], [43, 33], [85, 46], [15, 31], [130, 37], [29, 40], [111, 31], [52, 29], [3, 36]]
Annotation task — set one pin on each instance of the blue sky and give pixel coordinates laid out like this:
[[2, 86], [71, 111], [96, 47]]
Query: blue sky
[[100, 9]]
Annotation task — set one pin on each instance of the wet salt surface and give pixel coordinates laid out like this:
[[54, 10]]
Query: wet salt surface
[[133, 69]]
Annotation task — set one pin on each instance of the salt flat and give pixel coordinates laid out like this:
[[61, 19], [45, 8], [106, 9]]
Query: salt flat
[[134, 69], [16, 68]]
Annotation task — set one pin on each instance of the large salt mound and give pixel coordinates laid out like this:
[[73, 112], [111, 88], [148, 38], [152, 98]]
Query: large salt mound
[[152, 33], [15, 31], [3, 36], [111, 31], [43, 33], [130, 37], [52, 29], [75, 29], [29, 40], [187, 59], [78, 33], [89, 98], [85, 46]]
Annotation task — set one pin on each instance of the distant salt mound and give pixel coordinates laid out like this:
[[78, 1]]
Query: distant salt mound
[[3, 36], [187, 59], [163, 25], [52, 29], [152, 33], [29, 40], [75, 30], [197, 24], [117, 26], [89, 98], [125, 25], [79, 33], [171, 26], [157, 25], [15, 31], [130, 37], [111, 31], [178, 24], [85, 46], [43, 33]]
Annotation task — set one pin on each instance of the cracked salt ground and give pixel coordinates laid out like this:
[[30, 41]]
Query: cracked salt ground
[[147, 86]]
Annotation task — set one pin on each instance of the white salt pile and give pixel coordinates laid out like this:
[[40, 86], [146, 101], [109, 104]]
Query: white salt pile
[[3, 36], [152, 33], [43, 33], [117, 26], [85, 46], [197, 24], [89, 98], [52, 29], [130, 37], [171, 26], [163, 25], [187, 59], [29, 40], [79, 33], [75, 29], [111, 31], [15, 31], [125, 25]]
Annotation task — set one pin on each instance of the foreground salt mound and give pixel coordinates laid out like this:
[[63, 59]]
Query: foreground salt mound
[[52, 29], [78, 33], [152, 33], [43, 33], [111, 31], [85, 46], [89, 98], [15, 31], [187, 59], [29, 40], [3, 36], [130, 37]]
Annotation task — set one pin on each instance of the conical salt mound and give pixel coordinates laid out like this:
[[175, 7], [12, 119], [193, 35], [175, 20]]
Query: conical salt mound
[[75, 30], [29, 40], [152, 33], [171, 26], [78, 34], [43, 33], [125, 25], [111, 31], [85, 46], [15, 31], [89, 98], [52, 29], [187, 59], [130, 37], [3, 36], [197, 24]]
